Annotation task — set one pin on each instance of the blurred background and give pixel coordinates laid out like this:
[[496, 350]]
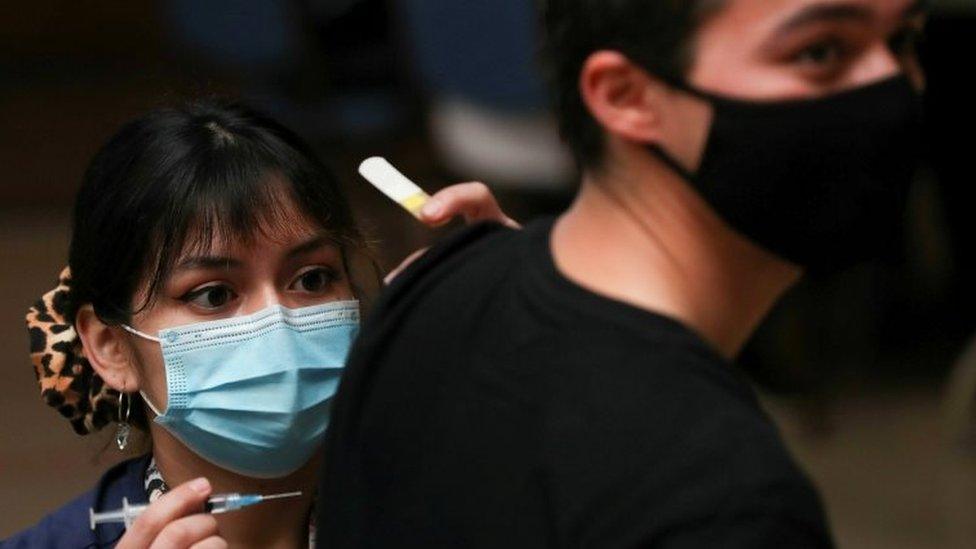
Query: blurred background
[[867, 372]]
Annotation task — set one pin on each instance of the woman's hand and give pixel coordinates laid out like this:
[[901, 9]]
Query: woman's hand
[[176, 521], [472, 201]]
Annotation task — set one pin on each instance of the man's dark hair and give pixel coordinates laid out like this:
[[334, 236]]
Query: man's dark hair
[[655, 34]]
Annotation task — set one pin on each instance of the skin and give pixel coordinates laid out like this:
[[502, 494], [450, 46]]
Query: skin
[[296, 267], [637, 232]]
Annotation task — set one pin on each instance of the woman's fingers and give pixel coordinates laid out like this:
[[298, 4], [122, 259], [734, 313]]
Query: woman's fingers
[[473, 201], [186, 499], [186, 532], [213, 542]]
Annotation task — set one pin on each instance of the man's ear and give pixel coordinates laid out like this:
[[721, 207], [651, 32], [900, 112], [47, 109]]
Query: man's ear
[[635, 107], [622, 97], [107, 351]]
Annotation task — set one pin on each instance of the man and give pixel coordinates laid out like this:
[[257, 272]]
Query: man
[[570, 384]]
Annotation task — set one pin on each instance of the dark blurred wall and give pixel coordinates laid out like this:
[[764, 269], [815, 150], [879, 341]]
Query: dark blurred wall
[[70, 73]]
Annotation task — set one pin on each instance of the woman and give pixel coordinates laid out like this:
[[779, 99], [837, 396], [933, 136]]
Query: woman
[[212, 297]]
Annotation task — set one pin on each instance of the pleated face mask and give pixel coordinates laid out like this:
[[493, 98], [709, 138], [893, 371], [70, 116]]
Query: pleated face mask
[[252, 394]]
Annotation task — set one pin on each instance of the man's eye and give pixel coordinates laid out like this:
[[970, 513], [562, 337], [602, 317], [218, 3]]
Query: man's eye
[[210, 297], [821, 54], [314, 280]]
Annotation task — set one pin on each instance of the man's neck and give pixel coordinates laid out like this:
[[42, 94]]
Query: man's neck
[[641, 235]]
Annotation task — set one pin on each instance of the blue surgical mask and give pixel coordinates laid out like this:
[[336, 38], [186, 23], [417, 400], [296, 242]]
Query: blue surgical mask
[[251, 394]]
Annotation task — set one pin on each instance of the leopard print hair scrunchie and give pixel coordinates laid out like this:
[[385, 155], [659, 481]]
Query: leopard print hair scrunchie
[[68, 381]]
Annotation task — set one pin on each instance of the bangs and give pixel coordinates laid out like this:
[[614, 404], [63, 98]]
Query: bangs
[[262, 206], [189, 178], [236, 194]]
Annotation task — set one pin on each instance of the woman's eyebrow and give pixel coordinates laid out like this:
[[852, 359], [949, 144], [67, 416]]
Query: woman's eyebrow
[[312, 244], [209, 262]]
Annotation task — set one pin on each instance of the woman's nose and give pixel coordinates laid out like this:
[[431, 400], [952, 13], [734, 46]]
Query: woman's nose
[[267, 295]]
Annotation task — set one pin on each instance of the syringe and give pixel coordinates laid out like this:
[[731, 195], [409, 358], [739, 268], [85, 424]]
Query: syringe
[[216, 504]]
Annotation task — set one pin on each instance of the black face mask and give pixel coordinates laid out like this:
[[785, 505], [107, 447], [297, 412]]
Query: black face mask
[[821, 183]]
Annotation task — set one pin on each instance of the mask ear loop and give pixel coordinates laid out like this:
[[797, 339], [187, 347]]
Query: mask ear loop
[[664, 156], [133, 331], [672, 163], [149, 403], [137, 333]]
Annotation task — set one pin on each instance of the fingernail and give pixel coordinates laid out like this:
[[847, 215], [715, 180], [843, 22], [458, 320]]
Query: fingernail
[[431, 209], [200, 485]]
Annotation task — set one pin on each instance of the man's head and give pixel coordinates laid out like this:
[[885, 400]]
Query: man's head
[[613, 63]]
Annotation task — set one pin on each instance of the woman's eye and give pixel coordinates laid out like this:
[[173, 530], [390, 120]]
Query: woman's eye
[[210, 297], [314, 280]]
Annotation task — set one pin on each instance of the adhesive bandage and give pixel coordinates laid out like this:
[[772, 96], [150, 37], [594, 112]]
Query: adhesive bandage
[[378, 171]]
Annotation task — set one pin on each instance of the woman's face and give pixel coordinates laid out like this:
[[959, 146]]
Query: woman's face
[[295, 267]]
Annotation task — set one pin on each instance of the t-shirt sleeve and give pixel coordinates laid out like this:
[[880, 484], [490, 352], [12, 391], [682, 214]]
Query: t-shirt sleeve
[[782, 516], [675, 461], [702, 504]]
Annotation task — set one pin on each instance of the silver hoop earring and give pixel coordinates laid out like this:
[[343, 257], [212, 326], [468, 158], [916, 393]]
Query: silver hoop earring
[[122, 434]]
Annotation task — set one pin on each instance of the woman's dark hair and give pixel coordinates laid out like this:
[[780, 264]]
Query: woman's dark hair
[[655, 34], [178, 177]]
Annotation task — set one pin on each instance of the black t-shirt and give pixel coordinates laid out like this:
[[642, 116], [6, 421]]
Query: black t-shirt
[[491, 402]]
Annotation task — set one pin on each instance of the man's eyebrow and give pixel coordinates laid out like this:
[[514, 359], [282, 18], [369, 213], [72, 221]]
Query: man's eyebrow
[[208, 262], [310, 245], [825, 13], [820, 13], [919, 7]]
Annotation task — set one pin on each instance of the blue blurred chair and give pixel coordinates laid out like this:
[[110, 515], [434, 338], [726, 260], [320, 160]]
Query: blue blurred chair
[[476, 61]]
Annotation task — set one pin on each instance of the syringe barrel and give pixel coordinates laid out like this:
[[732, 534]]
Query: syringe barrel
[[127, 514], [108, 516]]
